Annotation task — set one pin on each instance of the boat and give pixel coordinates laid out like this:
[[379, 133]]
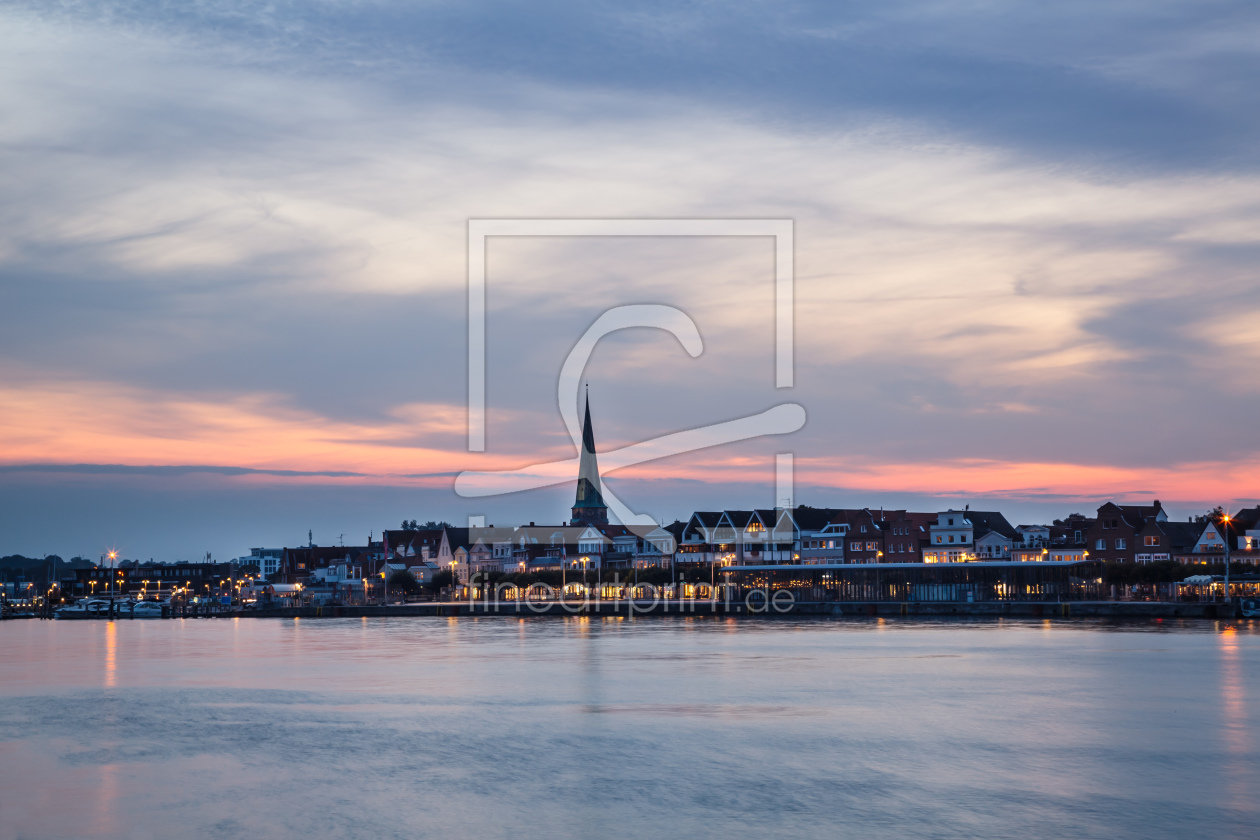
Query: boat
[[1250, 607], [84, 608], [145, 609]]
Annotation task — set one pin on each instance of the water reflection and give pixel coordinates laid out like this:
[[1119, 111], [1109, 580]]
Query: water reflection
[[529, 727], [111, 654], [1239, 770]]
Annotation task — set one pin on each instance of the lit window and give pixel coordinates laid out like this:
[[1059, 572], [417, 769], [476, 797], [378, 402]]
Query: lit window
[[1152, 541]]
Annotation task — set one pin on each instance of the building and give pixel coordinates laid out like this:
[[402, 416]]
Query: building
[[1120, 533], [297, 565], [588, 505], [266, 559], [1245, 526], [959, 536], [819, 538], [1204, 542], [153, 579], [864, 534]]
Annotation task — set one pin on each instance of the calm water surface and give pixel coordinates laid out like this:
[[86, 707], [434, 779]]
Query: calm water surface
[[553, 728]]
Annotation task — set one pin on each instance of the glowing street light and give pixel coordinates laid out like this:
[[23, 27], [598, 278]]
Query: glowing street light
[[1225, 534]]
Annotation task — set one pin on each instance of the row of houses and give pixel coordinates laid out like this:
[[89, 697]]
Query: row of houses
[[801, 536]]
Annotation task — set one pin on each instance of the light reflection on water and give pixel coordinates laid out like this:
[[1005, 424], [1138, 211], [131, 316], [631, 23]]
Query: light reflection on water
[[605, 727]]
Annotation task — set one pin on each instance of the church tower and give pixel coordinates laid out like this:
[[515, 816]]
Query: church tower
[[589, 507]]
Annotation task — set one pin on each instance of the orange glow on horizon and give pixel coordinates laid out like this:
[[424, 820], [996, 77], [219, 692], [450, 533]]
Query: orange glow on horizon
[[424, 445]]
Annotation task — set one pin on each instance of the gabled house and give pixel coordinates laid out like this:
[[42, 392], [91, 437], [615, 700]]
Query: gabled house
[[1160, 540], [959, 536], [699, 538], [657, 546], [1116, 533], [864, 534]]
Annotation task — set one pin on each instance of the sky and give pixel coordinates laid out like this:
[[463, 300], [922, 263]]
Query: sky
[[233, 258]]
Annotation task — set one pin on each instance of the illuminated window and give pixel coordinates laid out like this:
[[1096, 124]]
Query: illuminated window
[[1152, 541]]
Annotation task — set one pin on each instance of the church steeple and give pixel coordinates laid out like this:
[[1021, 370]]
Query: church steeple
[[589, 507]]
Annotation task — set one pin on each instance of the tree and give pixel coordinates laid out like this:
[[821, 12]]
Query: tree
[[248, 569], [431, 525], [403, 581], [441, 579], [1215, 515]]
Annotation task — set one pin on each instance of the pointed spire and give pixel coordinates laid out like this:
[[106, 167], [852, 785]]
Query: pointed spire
[[589, 505]]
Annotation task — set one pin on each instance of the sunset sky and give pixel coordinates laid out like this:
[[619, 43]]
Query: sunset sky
[[233, 257]]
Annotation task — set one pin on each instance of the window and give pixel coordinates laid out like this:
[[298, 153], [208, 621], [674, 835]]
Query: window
[[951, 537], [951, 522], [939, 538], [1121, 545], [1101, 545], [870, 546], [1151, 541], [855, 546]]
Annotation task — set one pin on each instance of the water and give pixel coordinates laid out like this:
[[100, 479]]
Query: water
[[498, 728]]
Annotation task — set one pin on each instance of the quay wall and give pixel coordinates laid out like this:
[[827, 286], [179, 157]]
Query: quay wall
[[1021, 609]]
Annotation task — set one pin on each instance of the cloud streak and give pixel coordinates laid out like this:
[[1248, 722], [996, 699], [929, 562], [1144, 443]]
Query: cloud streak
[[1026, 238]]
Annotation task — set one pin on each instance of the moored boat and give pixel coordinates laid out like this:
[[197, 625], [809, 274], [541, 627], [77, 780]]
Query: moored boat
[[84, 608]]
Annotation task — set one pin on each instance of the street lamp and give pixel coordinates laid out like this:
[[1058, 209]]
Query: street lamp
[[1225, 535]]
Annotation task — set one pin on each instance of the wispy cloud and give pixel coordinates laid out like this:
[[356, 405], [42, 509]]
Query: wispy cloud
[[234, 235]]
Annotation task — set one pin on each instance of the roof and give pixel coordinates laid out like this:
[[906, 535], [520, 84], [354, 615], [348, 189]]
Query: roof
[[707, 518], [457, 538], [1247, 519], [812, 518], [1134, 515], [985, 564], [985, 521], [1182, 536]]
